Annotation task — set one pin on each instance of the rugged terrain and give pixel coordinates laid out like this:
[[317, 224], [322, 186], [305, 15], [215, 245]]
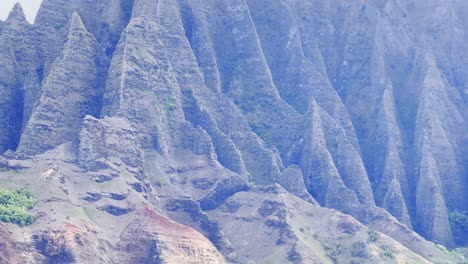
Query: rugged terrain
[[236, 131]]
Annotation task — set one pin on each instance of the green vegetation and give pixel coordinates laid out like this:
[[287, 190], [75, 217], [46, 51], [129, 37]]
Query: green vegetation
[[459, 225], [334, 252], [171, 104], [387, 252], [359, 250], [161, 182], [373, 235], [14, 206], [261, 129], [457, 255], [251, 180]]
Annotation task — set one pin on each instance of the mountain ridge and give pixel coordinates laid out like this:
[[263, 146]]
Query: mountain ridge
[[350, 105]]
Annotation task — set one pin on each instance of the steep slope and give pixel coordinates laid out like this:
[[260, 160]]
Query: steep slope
[[9, 97], [82, 221], [173, 127], [70, 91], [294, 231], [19, 59]]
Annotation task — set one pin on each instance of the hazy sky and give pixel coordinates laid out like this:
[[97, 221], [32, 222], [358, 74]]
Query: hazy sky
[[30, 8]]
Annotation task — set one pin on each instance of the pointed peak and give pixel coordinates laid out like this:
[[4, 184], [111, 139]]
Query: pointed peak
[[77, 33], [314, 113], [424, 43], [312, 105], [78, 36], [394, 186], [17, 9], [388, 91], [387, 100], [17, 14], [76, 23]]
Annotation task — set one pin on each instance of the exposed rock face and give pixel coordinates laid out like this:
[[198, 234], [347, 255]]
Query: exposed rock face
[[142, 88], [333, 170], [9, 97], [232, 117], [101, 140], [165, 242], [70, 91], [18, 57], [149, 238]]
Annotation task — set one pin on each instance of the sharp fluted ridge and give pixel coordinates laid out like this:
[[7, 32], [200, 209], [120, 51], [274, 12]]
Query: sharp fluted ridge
[[197, 108], [69, 93]]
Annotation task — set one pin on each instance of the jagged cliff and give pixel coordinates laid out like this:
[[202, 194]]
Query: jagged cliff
[[169, 131]]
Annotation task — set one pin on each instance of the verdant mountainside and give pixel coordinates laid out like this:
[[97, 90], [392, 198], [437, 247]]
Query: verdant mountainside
[[239, 131]]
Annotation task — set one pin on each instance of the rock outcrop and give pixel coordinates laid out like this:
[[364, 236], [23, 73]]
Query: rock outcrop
[[168, 131], [69, 93]]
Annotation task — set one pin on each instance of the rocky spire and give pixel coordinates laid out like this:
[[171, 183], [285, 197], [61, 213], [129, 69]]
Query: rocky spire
[[321, 173], [385, 166], [18, 51], [9, 95], [438, 144], [394, 201], [68, 94], [16, 17], [150, 99], [394, 184], [25, 39], [146, 8], [209, 94], [305, 75], [438, 127], [432, 212]]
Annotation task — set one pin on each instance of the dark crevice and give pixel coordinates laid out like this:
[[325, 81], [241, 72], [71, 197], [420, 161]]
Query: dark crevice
[[188, 20]]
